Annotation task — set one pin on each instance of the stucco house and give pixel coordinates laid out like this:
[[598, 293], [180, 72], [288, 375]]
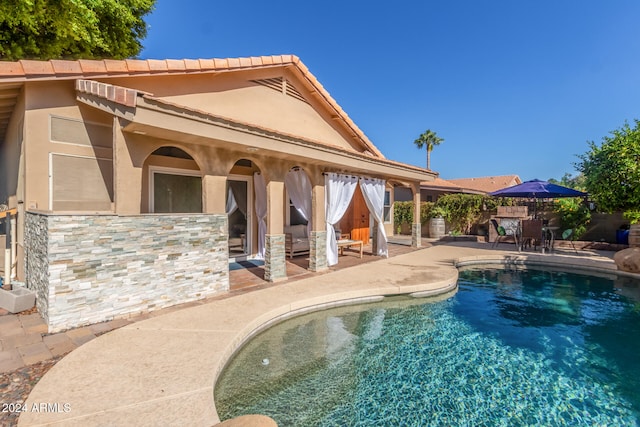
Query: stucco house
[[136, 182]]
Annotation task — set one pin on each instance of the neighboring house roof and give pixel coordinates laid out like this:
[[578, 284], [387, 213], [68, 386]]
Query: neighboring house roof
[[14, 74], [487, 184], [445, 186]]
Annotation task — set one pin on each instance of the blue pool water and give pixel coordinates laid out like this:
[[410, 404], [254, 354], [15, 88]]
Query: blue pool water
[[511, 347]]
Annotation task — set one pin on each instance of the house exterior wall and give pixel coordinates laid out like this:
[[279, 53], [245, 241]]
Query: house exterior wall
[[42, 101], [92, 268]]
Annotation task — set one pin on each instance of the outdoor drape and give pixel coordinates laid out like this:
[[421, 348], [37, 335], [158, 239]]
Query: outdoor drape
[[260, 188], [338, 192], [299, 189], [240, 195], [373, 192], [231, 205]]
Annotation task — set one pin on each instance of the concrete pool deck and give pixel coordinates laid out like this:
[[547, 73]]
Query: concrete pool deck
[[162, 370]]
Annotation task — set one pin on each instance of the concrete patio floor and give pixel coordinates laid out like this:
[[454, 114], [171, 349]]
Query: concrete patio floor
[[162, 370]]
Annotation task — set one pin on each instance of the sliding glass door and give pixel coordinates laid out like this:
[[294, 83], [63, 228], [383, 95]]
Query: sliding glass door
[[239, 210]]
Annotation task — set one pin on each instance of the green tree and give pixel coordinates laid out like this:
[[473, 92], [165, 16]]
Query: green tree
[[568, 180], [430, 140], [71, 29], [612, 170]]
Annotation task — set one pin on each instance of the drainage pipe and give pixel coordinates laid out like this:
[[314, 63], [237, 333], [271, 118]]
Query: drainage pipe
[[14, 247], [7, 253]]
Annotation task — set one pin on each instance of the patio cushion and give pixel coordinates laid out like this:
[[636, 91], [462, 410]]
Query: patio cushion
[[296, 231]]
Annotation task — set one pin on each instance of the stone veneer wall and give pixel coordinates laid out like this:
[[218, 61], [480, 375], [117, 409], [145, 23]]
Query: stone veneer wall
[[275, 261], [92, 268], [416, 233], [318, 251]]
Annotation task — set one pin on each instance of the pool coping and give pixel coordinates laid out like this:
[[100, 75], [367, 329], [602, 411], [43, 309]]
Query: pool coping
[[164, 369]]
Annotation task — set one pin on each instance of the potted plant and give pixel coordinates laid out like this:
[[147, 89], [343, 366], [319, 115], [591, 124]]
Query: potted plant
[[436, 222]]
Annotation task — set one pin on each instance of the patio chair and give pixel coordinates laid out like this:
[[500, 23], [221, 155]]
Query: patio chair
[[569, 235], [500, 231], [531, 233]]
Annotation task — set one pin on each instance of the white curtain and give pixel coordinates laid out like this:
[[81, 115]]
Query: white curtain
[[338, 191], [373, 192], [231, 205], [240, 195], [299, 189], [260, 188]]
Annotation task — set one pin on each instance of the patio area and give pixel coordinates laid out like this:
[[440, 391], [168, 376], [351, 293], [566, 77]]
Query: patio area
[[243, 279]]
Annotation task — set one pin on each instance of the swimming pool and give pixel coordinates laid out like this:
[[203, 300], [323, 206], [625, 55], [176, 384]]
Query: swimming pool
[[511, 347]]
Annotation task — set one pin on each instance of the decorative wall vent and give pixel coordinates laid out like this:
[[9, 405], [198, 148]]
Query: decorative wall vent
[[283, 86]]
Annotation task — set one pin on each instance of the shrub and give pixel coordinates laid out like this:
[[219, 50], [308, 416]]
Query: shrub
[[574, 214]]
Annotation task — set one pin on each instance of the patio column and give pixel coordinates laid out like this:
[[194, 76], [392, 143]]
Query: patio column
[[318, 237], [275, 266], [212, 187], [127, 175], [416, 227]]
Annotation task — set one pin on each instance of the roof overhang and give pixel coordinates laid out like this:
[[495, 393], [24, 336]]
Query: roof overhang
[[157, 118]]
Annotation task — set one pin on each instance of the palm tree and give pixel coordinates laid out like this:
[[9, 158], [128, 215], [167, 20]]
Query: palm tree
[[430, 140]]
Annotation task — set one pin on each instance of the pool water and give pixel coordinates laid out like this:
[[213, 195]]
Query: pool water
[[511, 347]]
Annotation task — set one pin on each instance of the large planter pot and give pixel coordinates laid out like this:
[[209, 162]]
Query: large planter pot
[[634, 235], [436, 228]]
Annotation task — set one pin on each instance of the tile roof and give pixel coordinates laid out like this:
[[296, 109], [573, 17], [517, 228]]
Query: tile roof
[[31, 70], [25, 70], [487, 184], [445, 186]]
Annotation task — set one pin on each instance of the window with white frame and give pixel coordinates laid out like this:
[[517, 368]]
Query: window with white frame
[[387, 206]]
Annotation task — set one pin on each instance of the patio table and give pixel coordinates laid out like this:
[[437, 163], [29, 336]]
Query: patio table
[[345, 243]]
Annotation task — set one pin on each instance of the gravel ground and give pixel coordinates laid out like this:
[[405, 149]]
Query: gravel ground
[[15, 388]]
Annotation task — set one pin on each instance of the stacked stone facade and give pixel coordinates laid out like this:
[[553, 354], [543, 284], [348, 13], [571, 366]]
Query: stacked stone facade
[[318, 251], [91, 268], [275, 265], [416, 233]]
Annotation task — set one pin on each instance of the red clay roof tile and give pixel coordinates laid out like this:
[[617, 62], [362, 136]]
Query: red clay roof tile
[[233, 62], [175, 65], [115, 66], [11, 69], [37, 68], [157, 65], [220, 63], [207, 64], [137, 65], [192, 65], [66, 67], [92, 66], [245, 62]]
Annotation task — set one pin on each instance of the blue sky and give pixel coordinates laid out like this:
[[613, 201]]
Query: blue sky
[[513, 86]]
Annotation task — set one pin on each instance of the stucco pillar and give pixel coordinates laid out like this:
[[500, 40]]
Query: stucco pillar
[[275, 266], [318, 237], [416, 227], [127, 176], [214, 191]]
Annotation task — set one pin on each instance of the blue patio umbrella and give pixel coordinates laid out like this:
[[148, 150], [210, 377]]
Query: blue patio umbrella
[[538, 189]]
